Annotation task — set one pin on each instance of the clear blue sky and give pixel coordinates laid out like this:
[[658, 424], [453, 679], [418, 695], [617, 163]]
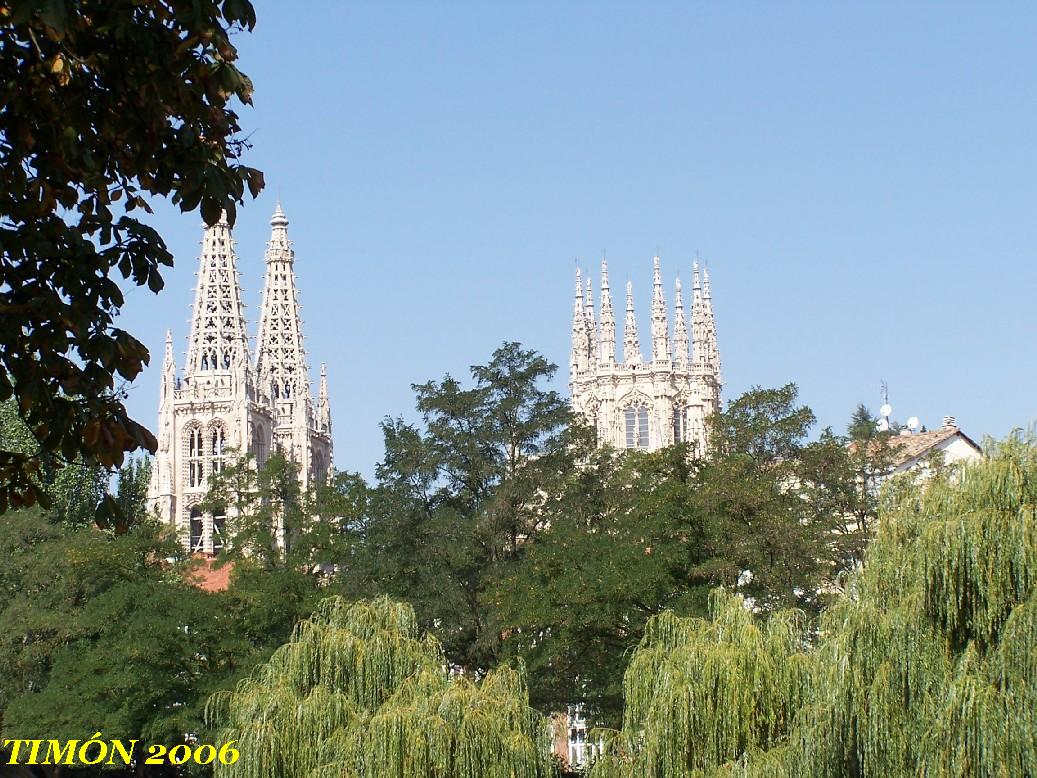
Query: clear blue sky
[[861, 180]]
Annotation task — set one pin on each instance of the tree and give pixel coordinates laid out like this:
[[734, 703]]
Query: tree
[[700, 692], [107, 103], [460, 494], [630, 535], [624, 542], [359, 691], [924, 666]]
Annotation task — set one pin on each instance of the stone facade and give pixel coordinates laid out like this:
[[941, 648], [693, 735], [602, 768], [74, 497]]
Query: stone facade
[[638, 403], [223, 401]]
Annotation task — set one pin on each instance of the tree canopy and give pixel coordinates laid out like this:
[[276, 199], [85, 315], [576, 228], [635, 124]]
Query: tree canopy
[[107, 103], [924, 666], [359, 691]]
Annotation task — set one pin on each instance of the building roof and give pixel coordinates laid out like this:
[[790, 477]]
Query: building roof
[[207, 576], [908, 447]]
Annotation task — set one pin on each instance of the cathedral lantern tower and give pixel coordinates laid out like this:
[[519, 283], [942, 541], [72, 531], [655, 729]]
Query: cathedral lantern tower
[[222, 401], [647, 404]]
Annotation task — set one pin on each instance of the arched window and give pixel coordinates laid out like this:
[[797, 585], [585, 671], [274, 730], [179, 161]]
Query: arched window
[[318, 469], [259, 445], [637, 426], [195, 458], [219, 523], [197, 538], [217, 445], [680, 424]]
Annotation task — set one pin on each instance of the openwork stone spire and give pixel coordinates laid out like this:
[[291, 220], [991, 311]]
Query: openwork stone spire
[[218, 342], [281, 360], [660, 326], [631, 346], [680, 330], [607, 342]]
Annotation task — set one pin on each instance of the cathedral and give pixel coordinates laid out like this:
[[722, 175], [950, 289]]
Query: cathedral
[[639, 403], [225, 400]]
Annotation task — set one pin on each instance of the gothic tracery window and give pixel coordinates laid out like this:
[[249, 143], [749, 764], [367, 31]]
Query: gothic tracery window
[[197, 530], [195, 458], [217, 447], [680, 424], [219, 524], [636, 417]]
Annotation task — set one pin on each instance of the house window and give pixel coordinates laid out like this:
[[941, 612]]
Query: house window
[[195, 458], [197, 531], [637, 426]]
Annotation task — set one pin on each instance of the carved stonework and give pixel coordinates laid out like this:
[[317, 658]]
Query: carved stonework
[[222, 401], [667, 398]]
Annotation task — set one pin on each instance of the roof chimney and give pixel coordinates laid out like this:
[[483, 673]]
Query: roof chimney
[[949, 422]]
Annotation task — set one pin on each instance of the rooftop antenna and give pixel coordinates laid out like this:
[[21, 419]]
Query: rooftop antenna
[[886, 410]]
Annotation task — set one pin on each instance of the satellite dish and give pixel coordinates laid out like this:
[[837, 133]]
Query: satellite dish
[[883, 425], [912, 423], [885, 410]]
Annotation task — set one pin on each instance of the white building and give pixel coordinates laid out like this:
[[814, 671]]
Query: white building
[[913, 451], [223, 400], [638, 403]]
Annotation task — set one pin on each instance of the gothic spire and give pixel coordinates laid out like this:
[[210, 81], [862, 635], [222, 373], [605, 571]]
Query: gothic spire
[[607, 342], [323, 405], [580, 345], [218, 341], [280, 358], [660, 326], [680, 330], [712, 349], [631, 347]]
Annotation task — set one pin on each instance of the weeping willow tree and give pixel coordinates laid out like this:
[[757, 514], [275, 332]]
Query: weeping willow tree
[[927, 665], [700, 692], [357, 693]]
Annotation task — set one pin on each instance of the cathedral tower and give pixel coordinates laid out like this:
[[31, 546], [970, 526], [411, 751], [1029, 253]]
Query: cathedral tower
[[221, 401], [642, 404]]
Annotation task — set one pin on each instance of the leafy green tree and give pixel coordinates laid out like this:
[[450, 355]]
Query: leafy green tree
[[460, 494], [625, 542], [358, 691], [925, 666], [107, 103], [634, 534]]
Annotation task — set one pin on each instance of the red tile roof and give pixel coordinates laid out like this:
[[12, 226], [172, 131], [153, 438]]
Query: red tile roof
[[207, 576]]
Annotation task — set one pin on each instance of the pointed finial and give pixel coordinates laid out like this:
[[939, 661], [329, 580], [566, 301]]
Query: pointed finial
[[630, 296], [279, 219]]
